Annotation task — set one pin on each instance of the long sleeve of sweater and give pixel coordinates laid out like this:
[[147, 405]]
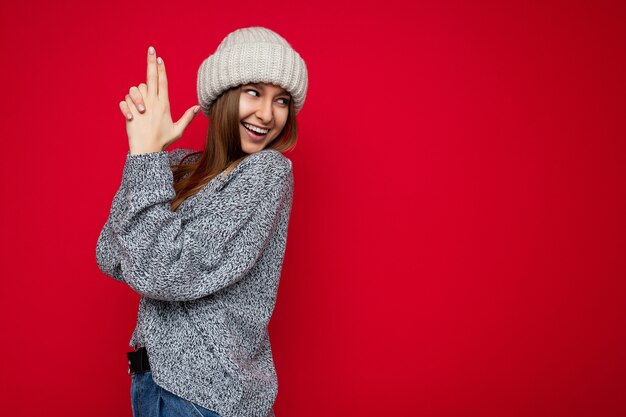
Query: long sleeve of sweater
[[162, 255], [108, 250]]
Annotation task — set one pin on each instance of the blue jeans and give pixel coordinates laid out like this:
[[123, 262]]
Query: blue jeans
[[150, 400]]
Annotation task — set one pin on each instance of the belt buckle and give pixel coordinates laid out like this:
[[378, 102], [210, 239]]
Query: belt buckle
[[130, 372], [133, 355], [138, 361]]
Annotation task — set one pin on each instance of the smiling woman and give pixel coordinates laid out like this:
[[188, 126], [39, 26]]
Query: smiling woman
[[201, 235]]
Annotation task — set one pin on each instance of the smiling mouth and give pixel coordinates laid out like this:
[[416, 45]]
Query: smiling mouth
[[253, 134]]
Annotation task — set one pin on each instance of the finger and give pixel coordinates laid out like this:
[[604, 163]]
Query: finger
[[151, 77], [131, 106], [135, 95], [184, 121], [162, 76], [125, 110], [143, 89]]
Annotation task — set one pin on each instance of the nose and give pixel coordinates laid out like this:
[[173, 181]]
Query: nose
[[264, 111]]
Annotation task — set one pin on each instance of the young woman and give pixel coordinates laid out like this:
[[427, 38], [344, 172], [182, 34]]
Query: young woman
[[201, 236]]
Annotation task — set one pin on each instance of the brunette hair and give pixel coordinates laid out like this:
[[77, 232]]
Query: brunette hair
[[223, 146]]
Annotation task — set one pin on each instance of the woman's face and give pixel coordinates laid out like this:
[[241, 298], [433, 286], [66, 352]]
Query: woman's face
[[266, 107]]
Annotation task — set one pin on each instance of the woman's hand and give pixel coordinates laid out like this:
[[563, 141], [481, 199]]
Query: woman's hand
[[146, 108]]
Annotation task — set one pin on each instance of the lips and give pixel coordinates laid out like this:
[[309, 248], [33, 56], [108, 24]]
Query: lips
[[253, 135], [258, 127]]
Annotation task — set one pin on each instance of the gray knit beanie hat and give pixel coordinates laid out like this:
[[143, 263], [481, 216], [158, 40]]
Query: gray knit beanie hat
[[248, 55]]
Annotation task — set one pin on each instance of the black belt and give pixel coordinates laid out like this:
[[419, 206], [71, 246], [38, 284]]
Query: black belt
[[138, 361]]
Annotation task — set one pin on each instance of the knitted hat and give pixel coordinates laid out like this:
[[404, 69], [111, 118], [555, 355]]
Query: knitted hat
[[248, 55]]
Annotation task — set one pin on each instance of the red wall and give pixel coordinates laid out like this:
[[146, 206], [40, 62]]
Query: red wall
[[456, 245]]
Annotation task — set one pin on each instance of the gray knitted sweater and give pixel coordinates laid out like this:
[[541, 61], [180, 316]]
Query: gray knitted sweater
[[207, 274]]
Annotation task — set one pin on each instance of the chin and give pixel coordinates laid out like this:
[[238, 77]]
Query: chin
[[250, 148]]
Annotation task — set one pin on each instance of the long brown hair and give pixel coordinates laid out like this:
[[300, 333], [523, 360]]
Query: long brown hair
[[223, 146]]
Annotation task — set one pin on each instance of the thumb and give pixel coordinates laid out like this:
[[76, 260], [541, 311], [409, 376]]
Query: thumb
[[185, 119]]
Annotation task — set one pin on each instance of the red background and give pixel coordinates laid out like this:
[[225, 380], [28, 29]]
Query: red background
[[456, 245]]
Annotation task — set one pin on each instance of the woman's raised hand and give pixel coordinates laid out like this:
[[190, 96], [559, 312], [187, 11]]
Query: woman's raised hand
[[146, 108]]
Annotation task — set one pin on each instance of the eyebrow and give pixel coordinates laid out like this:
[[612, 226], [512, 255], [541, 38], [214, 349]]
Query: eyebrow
[[260, 87]]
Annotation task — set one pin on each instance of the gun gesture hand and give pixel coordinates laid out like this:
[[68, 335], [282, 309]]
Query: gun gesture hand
[[149, 124]]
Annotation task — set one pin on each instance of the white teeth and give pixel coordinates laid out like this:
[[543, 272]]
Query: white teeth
[[256, 129]]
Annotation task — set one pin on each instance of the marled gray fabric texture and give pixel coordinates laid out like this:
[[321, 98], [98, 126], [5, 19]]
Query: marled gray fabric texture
[[207, 274]]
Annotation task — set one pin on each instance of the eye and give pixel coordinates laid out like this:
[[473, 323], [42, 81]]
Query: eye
[[285, 100]]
